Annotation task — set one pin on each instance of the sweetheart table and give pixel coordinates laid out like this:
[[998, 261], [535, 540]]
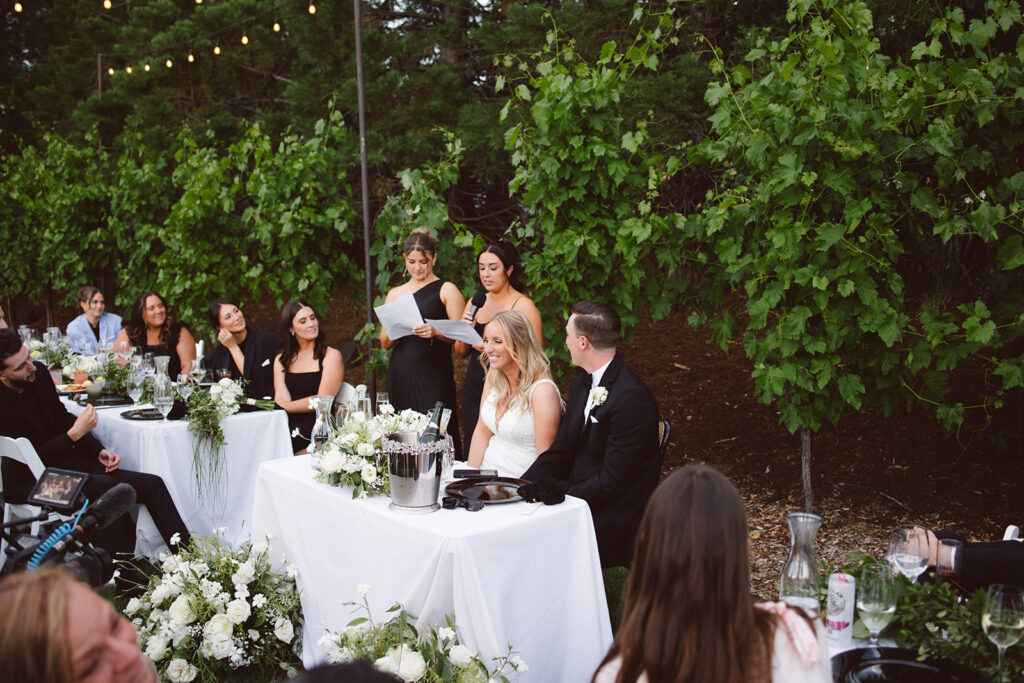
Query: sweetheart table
[[519, 574]]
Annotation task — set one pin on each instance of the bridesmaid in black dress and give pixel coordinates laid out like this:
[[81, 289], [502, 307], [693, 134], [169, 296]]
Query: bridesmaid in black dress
[[420, 373], [152, 329], [502, 279], [306, 367]]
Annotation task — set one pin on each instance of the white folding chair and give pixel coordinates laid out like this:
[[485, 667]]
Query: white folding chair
[[345, 393], [200, 346], [22, 451]]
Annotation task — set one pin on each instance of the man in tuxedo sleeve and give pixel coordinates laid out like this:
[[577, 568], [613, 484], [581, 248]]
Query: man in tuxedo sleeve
[[30, 408], [606, 451]]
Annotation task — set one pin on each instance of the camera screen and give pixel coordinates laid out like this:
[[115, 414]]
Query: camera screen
[[58, 488]]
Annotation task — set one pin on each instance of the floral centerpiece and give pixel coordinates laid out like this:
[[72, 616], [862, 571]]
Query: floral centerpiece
[[206, 410], [214, 608], [352, 457], [397, 648]]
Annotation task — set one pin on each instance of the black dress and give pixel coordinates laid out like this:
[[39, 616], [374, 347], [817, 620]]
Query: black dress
[[258, 349], [302, 385], [170, 348], [472, 389], [421, 372]]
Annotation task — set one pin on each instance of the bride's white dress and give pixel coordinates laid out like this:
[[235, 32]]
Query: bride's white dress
[[513, 448]]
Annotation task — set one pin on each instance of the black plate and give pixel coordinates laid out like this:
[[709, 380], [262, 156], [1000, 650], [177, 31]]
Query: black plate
[[101, 401], [885, 664], [142, 414], [491, 490]]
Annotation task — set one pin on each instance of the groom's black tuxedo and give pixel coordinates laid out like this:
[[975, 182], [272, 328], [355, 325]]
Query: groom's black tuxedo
[[611, 461]]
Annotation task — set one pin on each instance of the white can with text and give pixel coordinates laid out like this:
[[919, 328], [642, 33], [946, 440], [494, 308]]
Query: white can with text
[[842, 599]]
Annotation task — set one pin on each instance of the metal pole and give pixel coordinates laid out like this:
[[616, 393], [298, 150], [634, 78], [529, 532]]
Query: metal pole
[[364, 181]]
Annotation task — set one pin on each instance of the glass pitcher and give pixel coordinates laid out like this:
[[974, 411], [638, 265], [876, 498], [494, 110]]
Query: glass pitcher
[[323, 426], [799, 583]]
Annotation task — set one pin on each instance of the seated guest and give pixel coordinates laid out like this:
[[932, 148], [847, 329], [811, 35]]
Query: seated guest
[[151, 329], [689, 615], [606, 450], [981, 564], [520, 414], [95, 327], [55, 629], [247, 354], [30, 408], [306, 366]]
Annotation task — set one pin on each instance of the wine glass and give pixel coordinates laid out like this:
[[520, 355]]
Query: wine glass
[[1003, 618], [908, 551], [163, 397], [148, 364], [340, 411], [947, 561], [136, 378], [184, 385], [197, 372], [876, 599]]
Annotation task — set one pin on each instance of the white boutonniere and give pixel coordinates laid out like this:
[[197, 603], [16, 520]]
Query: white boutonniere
[[599, 395]]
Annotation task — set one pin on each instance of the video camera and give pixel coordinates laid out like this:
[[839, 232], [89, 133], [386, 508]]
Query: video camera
[[61, 541]]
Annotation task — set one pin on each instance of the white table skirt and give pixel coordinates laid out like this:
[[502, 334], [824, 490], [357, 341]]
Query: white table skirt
[[514, 574], [165, 449]]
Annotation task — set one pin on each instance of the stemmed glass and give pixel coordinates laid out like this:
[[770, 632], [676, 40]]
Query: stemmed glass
[[876, 599], [382, 400], [136, 378], [163, 397], [1003, 618], [198, 373], [148, 365], [908, 551], [184, 386]]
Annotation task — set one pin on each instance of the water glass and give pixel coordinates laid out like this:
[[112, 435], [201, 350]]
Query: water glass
[[908, 551], [197, 371], [148, 364], [876, 599], [1003, 618], [136, 378], [184, 386], [163, 397], [382, 400], [361, 410]]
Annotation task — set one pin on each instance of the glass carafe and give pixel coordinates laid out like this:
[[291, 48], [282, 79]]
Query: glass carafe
[[799, 583], [161, 363], [323, 426]]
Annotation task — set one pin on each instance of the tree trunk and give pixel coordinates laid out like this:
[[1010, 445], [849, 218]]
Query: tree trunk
[[805, 468]]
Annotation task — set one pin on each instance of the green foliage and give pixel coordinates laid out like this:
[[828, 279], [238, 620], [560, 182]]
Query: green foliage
[[842, 175]]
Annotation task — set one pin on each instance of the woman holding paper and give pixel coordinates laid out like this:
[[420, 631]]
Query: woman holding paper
[[420, 373], [502, 281]]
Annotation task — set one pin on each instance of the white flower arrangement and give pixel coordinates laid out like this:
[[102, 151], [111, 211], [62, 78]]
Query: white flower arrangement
[[352, 457], [192, 628], [398, 649], [90, 365]]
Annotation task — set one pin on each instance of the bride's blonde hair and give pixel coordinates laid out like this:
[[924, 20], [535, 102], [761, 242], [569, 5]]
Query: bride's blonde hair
[[531, 363]]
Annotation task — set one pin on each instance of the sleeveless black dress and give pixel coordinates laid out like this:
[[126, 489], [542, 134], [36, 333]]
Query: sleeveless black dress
[[472, 389], [168, 349], [420, 373], [301, 385]]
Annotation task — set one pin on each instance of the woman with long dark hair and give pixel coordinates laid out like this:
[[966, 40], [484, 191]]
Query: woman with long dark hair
[[246, 354], [306, 366], [152, 329], [689, 615], [502, 279], [420, 372]]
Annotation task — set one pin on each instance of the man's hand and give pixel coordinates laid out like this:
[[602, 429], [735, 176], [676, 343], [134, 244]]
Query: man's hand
[[85, 423], [110, 460]]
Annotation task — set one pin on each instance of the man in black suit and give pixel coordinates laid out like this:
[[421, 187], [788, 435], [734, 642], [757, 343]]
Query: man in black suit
[[606, 451], [30, 408], [980, 564]]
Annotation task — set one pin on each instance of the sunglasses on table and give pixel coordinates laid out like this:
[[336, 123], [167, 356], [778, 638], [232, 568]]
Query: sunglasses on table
[[451, 502]]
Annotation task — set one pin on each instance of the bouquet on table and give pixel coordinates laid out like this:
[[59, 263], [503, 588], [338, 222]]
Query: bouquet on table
[[398, 649], [214, 608], [352, 457], [206, 410]]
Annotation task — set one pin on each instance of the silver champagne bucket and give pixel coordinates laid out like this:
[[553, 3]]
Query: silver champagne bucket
[[415, 470]]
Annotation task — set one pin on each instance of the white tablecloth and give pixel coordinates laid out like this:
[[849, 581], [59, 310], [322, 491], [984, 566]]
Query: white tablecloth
[[165, 449], [514, 574]]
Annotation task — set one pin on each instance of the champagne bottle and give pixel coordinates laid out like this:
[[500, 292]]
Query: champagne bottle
[[431, 431]]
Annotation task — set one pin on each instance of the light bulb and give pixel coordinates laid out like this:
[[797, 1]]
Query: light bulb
[[312, 8], [245, 39], [146, 67], [17, 7], [216, 49], [199, 2], [128, 69], [168, 64], [106, 4], [277, 27], [110, 70], [191, 57]]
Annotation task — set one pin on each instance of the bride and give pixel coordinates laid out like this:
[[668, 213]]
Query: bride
[[522, 407]]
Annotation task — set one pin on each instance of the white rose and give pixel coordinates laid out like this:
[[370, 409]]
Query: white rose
[[258, 548], [156, 647], [245, 574], [461, 655], [331, 462], [348, 440], [388, 663], [284, 630], [218, 628], [181, 610], [365, 449], [369, 473], [406, 663], [180, 671], [237, 611], [221, 648], [160, 593], [132, 607]]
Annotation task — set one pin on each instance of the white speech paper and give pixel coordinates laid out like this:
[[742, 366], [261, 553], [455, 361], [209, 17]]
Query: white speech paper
[[459, 330], [400, 316]]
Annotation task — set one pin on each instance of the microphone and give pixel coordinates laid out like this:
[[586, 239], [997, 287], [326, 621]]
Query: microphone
[[478, 300], [108, 507]]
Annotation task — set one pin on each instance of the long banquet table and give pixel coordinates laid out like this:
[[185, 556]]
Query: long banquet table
[[514, 574], [165, 449]]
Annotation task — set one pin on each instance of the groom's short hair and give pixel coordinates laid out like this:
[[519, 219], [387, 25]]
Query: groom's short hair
[[599, 323]]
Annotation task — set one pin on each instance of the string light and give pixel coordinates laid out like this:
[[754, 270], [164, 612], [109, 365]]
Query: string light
[[168, 64], [216, 48], [277, 27], [110, 70], [146, 67], [106, 4], [199, 2], [128, 69], [245, 37], [17, 7], [312, 8], [191, 57]]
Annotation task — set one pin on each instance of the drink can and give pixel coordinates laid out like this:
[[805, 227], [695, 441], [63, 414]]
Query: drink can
[[842, 599]]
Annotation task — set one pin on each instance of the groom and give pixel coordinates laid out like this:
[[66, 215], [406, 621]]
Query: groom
[[606, 451]]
